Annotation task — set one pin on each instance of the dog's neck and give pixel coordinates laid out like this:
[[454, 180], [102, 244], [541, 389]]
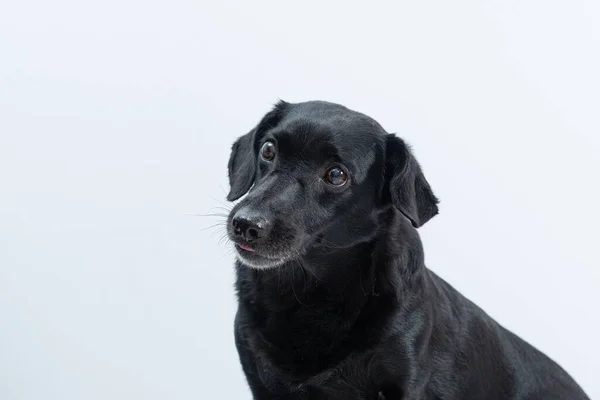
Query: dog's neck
[[305, 312]]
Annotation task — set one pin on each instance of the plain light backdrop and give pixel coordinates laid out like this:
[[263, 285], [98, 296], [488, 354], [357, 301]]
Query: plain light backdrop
[[116, 120]]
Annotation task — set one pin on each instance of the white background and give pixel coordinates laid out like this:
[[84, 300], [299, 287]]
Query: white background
[[116, 120]]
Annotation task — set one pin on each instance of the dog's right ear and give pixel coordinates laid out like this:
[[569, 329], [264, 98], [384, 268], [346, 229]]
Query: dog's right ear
[[241, 166], [243, 159]]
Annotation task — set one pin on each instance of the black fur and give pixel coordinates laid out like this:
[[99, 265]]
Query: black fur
[[335, 302]]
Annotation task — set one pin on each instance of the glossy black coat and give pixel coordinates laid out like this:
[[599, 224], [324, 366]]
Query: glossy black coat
[[354, 313]]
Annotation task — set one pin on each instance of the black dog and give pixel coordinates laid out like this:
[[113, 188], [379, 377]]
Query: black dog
[[335, 301]]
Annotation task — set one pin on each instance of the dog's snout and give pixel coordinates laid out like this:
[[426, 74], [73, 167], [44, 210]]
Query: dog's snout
[[250, 227]]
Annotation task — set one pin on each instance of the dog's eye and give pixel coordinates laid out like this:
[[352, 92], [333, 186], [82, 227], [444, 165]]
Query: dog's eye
[[336, 176], [267, 151]]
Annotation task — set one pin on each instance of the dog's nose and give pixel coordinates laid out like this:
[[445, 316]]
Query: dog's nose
[[250, 227]]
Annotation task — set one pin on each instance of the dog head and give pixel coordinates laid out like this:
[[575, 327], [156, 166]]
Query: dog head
[[316, 174]]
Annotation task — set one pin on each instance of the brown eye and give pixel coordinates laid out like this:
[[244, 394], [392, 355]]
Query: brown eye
[[267, 151], [336, 176]]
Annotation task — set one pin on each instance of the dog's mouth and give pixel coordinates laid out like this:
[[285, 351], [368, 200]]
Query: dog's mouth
[[244, 247], [255, 257]]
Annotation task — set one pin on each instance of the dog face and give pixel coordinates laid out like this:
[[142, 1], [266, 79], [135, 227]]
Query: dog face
[[316, 175]]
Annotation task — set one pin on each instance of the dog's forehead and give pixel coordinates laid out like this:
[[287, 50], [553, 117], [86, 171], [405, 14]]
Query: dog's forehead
[[320, 130], [322, 112]]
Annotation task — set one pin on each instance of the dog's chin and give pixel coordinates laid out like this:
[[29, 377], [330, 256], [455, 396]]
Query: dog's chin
[[254, 260]]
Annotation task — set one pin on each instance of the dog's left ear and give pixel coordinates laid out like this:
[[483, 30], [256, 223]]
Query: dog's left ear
[[408, 189]]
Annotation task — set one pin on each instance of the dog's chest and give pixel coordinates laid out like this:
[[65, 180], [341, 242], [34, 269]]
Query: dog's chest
[[358, 377]]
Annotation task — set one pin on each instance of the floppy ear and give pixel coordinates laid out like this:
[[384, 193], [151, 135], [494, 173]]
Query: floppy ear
[[408, 189], [243, 158], [242, 166]]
